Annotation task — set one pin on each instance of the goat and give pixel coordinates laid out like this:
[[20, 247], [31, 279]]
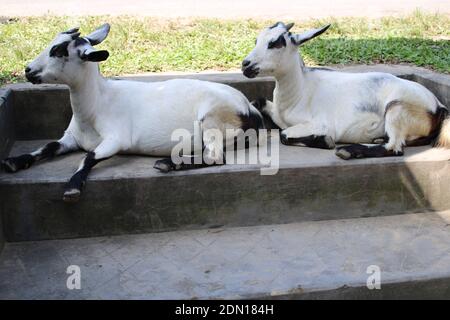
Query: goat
[[118, 116], [318, 107]]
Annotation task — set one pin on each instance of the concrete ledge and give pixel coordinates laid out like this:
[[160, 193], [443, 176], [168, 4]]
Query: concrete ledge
[[126, 195], [7, 136]]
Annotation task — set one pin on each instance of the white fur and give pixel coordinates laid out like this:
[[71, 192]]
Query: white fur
[[349, 107], [118, 116]]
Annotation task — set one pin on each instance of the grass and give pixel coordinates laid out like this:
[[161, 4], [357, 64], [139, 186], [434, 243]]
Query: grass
[[151, 45]]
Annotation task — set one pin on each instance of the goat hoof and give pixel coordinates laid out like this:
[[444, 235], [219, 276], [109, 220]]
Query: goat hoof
[[164, 165], [343, 154], [9, 166], [329, 142], [71, 195]]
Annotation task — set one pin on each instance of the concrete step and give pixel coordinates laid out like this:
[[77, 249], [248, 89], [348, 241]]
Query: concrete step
[[126, 195], [309, 260]]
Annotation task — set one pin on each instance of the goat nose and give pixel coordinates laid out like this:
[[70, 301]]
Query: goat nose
[[245, 63], [27, 69]]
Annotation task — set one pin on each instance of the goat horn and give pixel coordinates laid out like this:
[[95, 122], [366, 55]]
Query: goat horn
[[70, 31], [289, 26]]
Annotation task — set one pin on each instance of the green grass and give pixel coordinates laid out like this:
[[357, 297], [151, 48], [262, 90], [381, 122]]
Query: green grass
[[150, 45]]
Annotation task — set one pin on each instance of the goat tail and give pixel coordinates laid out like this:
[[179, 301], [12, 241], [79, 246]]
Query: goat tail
[[255, 118], [443, 139]]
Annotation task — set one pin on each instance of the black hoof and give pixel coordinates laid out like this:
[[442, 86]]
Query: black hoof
[[312, 141], [165, 165], [72, 195], [357, 151], [9, 166], [351, 152], [15, 164]]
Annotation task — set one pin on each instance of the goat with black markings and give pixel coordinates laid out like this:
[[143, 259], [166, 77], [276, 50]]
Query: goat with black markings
[[111, 116], [318, 107]]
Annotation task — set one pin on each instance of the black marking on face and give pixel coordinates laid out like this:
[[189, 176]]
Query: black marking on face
[[80, 41], [357, 151], [60, 50], [280, 42], [312, 141], [15, 164]]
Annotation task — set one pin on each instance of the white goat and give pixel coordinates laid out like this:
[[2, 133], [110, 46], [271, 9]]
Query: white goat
[[112, 116], [317, 107]]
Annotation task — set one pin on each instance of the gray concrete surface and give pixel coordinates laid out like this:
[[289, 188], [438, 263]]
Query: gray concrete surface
[[6, 137], [126, 195], [231, 9], [311, 260]]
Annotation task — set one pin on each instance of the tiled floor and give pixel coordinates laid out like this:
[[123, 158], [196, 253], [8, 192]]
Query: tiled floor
[[232, 263]]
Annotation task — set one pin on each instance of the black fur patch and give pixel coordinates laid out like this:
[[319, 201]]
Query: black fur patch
[[166, 165], [357, 151], [251, 121], [49, 151], [79, 178], [18, 163], [277, 44], [60, 50], [312, 141], [260, 104], [80, 41]]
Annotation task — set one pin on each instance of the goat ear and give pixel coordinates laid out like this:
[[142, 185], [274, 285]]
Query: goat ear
[[70, 31], [298, 39], [95, 56], [99, 34]]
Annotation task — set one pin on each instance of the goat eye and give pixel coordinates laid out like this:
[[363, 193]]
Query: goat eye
[[277, 44]]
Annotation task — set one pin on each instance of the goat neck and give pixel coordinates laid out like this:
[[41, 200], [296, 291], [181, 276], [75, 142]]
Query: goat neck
[[86, 92], [289, 85]]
